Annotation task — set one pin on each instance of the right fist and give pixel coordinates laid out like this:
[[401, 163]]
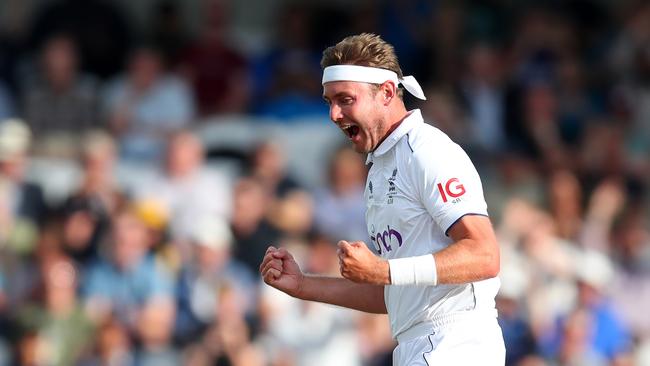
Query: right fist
[[271, 267], [280, 270]]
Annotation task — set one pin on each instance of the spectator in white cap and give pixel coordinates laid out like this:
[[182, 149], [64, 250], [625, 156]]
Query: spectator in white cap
[[22, 205], [212, 269]]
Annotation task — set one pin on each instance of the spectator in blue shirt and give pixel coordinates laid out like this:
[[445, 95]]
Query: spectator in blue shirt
[[130, 283]]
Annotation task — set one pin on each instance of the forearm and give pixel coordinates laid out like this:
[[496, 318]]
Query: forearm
[[342, 292]]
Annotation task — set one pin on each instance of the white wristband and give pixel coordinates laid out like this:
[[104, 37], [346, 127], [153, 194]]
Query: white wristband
[[419, 270]]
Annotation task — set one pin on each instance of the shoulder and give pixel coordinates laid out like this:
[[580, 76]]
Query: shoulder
[[429, 147], [426, 138]]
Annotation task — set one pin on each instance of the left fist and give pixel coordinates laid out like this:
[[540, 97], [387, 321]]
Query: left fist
[[357, 263]]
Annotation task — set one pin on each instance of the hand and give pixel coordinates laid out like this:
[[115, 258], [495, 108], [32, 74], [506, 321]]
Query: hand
[[607, 200], [357, 263], [280, 270]]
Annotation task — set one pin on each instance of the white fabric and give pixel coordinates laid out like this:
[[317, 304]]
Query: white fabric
[[419, 185], [371, 75], [205, 193], [468, 340], [420, 270]]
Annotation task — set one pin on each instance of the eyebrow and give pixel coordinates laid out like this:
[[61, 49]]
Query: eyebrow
[[339, 94]]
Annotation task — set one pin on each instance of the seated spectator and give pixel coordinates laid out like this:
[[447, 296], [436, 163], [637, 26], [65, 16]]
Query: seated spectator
[[60, 100], [483, 92], [212, 270], [217, 72], [575, 348], [87, 211], [287, 77], [251, 228], [101, 28], [130, 284], [144, 106], [22, 204], [340, 207], [228, 339], [601, 332], [113, 345], [186, 189], [63, 330], [630, 250], [269, 166]]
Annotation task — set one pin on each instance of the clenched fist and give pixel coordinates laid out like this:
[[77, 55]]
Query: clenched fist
[[357, 263], [280, 270]]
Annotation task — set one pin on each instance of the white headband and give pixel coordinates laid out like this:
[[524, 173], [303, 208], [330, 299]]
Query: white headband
[[371, 75]]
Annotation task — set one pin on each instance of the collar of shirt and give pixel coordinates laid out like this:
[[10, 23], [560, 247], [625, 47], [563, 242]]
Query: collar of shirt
[[412, 119]]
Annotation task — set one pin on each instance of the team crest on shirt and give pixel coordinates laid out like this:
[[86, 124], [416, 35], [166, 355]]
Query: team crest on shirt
[[392, 190], [452, 190]]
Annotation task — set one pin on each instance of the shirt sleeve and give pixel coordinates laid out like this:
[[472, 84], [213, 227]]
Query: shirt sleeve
[[447, 184]]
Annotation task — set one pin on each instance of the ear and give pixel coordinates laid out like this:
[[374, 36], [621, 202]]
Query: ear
[[388, 91]]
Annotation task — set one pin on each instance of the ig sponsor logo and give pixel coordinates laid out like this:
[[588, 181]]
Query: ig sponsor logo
[[452, 188]]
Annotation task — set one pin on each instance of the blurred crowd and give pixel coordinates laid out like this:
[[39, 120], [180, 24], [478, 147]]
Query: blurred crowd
[[551, 100]]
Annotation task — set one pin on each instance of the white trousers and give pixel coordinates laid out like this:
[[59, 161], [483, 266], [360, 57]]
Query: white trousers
[[459, 339]]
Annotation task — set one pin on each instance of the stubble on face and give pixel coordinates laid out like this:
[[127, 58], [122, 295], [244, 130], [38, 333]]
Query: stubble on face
[[375, 133], [376, 128]]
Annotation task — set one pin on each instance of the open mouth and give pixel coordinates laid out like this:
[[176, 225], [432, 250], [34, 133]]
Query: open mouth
[[351, 130]]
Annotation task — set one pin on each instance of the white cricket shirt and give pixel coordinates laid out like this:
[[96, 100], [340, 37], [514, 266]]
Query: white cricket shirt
[[420, 183]]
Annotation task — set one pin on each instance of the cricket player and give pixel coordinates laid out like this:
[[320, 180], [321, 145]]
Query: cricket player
[[438, 258]]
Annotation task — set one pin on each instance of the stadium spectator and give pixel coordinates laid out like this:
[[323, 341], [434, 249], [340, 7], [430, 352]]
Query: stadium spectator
[[339, 208], [87, 212], [146, 105], [99, 27], [569, 173], [592, 326], [60, 100], [218, 72], [22, 203], [268, 165], [186, 188], [64, 332], [484, 92], [128, 283], [286, 76], [251, 228], [211, 271]]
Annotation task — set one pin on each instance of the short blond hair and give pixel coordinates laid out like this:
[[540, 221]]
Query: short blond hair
[[365, 49]]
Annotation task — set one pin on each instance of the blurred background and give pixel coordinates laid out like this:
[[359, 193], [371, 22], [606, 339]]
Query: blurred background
[[151, 150]]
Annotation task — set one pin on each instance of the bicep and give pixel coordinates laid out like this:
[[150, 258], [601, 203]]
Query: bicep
[[474, 254], [474, 227]]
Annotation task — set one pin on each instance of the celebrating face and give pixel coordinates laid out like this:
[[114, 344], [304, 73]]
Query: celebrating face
[[356, 109]]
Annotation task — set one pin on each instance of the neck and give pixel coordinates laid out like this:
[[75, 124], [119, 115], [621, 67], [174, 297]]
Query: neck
[[395, 116]]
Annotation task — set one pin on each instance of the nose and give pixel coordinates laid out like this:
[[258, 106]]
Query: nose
[[335, 112]]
